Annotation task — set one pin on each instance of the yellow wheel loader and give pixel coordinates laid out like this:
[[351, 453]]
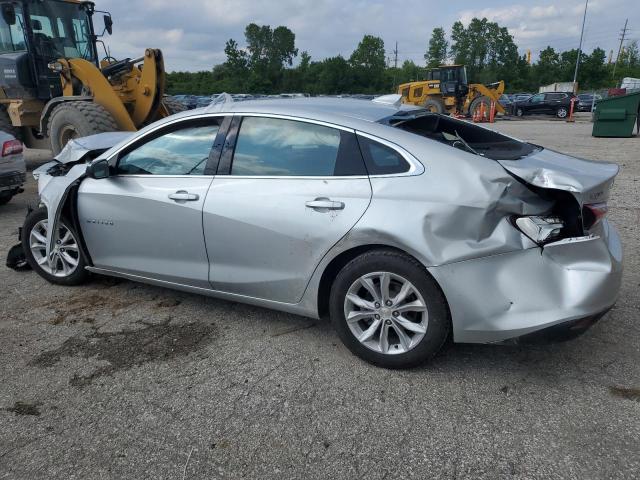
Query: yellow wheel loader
[[53, 87], [446, 90]]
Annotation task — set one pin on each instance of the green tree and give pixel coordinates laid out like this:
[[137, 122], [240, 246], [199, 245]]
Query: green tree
[[368, 64], [437, 51]]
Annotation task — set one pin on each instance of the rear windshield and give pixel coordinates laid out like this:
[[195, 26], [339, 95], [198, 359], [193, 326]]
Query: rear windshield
[[462, 135]]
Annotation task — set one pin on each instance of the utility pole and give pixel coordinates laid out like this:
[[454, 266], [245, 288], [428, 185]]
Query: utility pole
[[622, 35], [575, 73], [395, 58]]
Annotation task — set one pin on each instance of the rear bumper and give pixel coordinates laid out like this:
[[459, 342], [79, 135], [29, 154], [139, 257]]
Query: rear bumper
[[506, 297], [12, 180]]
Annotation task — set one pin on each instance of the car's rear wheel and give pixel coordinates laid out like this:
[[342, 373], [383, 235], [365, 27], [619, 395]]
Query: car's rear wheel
[[562, 112], [388, 310], [6, 196], [67, 265]]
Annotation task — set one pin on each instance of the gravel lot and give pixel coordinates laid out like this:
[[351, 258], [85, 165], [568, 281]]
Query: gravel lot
[[121, 380]]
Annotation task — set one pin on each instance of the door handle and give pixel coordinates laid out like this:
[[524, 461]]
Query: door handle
[[184, 196], [324, 204]]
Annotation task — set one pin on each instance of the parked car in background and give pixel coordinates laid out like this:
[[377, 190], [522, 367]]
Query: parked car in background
[[551, 103], [405, 227], [506, 102], [586, 101], [12, 167], [189, 101]]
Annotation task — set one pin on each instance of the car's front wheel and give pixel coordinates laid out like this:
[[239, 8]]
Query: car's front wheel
[[388, 310], [67, 264], [519, 112]]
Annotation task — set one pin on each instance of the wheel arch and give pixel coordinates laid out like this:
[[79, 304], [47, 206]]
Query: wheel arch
[[339, 261]]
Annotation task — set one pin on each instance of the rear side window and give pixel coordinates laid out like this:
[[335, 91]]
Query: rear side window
[[380, 159], [278, 147]]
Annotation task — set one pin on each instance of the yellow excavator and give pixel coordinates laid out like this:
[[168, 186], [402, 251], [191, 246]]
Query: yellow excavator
[[54, 87], [446, 90]]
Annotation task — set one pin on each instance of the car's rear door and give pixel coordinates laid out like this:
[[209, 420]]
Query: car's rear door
[[289, 191], [146, 219]]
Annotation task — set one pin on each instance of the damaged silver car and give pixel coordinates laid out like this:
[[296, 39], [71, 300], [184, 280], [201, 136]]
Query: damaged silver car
[[404, 226]]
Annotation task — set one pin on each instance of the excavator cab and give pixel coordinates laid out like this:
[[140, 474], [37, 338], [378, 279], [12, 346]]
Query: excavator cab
[[53, 85], [34, 34], [452, 78]]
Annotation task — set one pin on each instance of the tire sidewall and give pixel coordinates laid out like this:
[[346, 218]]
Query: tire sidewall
[[77, 277], [439, 322]]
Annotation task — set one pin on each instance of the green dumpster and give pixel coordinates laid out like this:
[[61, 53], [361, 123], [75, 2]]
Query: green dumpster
[[617, 116]]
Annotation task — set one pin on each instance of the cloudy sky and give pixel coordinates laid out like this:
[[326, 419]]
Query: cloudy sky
[[192, 33]]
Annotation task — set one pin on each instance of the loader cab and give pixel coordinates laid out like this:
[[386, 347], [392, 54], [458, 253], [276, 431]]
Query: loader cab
[[33, 35], [452, 78]]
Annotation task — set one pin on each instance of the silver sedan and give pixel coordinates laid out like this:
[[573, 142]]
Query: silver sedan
[[406, 228]]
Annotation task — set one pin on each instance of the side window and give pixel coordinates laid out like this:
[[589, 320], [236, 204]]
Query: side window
[[380, 159], [418, 92], [179, 152], [276, 147], [538, 98]]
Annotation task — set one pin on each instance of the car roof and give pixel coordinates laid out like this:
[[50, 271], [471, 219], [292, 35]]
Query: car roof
[[342, 111]]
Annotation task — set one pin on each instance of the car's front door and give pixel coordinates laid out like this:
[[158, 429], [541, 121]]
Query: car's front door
[[536, 103], [146, 218], [291, 190]]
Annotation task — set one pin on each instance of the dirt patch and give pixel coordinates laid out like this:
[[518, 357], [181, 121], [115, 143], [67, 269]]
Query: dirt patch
[[74, 309], [130, 348], [24, 408], [627, 393]]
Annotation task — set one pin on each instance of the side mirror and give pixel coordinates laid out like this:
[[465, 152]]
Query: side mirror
[[9, 14], [98, 169], [108, 23]]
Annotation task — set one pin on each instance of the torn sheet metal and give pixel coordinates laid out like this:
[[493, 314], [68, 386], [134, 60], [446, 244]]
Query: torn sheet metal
[[76, 149], [587, 180]]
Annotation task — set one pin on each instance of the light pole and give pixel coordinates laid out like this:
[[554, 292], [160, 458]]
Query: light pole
[[575, 74]]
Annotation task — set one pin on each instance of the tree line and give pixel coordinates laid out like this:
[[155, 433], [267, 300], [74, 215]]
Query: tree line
[[266, 64]]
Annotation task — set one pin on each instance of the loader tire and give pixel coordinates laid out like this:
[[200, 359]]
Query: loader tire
[[477, 102], [77, 119], [173, 106], [7, 126], [435, 105]]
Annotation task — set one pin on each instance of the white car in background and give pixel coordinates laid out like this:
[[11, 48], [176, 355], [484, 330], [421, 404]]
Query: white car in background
[[12, 167]]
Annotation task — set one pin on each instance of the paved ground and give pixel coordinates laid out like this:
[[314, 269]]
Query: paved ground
[[119, 380]]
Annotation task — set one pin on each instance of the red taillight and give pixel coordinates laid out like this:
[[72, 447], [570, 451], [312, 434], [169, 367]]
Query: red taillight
[[592, 213], [10, 147]]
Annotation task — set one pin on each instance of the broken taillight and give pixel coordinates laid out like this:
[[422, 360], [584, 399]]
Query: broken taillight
[[593, 213], [11, 147], [540, 229]]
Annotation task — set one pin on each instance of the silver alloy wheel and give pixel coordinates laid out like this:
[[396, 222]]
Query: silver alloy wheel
[[65, 255], [562, 112], [386, 313]]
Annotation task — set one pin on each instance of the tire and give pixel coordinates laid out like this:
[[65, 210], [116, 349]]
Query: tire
[[418, 346], [5, 197], [173, 106], [75, 277], [77, 119], [435, 105], [562, 112], [475, 104], [519, 112], [7, 126]]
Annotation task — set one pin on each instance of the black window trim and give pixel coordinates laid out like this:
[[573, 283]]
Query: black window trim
[[224, 167], [164, 128]]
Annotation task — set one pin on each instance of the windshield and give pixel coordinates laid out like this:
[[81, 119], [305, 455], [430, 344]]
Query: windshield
[[61, 29]]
